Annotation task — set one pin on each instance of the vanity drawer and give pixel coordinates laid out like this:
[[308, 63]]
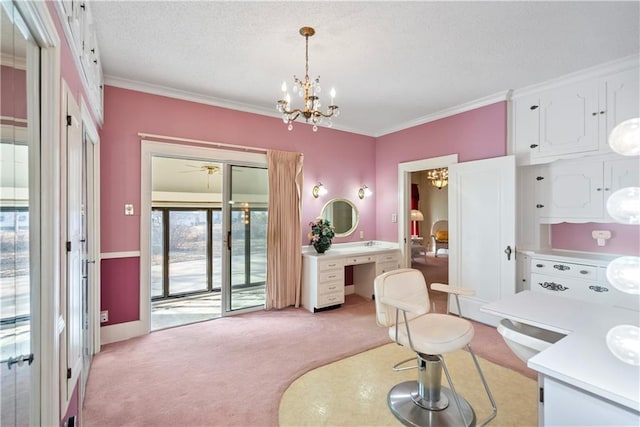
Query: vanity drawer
[[564, 269], [330, 288], [584, 290], [331, 276], [330, 299], [388, 258], [360, 259], [387, 266], [330, 265]]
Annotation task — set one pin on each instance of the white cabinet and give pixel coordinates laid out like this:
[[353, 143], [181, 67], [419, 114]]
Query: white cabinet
[[580, 280], [323, 277], [577, 191], [573, 119], [566, 405]]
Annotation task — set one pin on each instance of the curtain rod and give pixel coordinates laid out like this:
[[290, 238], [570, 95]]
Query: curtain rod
[[199, 141]]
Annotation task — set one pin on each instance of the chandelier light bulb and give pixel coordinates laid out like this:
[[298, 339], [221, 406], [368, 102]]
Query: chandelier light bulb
[[624, 205], [284, 87], [624, 274], [625, 138]]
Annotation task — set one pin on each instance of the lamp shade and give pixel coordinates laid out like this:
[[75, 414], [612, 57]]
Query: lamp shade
[[416, 215], [625, 138]]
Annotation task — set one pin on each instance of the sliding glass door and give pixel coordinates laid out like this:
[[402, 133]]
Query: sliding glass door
[[247, 237]]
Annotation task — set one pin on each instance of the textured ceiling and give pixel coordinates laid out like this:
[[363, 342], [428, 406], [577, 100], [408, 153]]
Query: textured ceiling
[[392, 63]]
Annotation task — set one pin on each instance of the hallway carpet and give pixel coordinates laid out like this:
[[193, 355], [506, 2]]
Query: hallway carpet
[[353, 391]]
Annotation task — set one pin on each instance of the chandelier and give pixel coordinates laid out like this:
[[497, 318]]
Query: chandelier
[[439, 177], [308, 90]]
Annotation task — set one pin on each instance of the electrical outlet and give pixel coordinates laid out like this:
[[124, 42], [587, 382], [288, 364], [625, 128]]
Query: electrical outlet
[[362, 234], [104, 316], [394, 217]]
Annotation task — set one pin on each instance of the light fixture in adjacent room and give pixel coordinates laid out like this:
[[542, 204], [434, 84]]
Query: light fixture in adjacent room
[[364, 191], [309, 91], [319, 190], [416, 215], [439, 178]]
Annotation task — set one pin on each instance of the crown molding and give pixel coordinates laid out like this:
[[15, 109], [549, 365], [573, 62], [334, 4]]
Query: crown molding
[[622, 64], [17, 62], [461, 108]]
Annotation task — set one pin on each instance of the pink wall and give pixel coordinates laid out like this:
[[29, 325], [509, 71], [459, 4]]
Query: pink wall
[[13, 82], [118, 277], [625, 239], [473, 135], [342, 161]]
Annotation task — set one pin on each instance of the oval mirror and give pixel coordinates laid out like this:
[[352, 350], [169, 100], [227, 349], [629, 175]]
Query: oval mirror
[[343, 215]]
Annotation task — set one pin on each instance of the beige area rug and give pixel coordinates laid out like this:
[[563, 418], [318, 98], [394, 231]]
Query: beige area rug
[[353, 391]]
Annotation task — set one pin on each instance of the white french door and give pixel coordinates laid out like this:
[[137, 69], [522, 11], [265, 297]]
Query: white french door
[[482, 232]]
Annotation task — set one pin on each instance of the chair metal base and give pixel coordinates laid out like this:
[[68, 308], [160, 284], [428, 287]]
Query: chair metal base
[[401, 400]]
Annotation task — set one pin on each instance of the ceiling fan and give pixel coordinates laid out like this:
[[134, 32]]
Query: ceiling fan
[[209, 169]]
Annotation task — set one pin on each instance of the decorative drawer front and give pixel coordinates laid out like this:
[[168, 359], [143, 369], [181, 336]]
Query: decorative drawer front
[[563, 269], [330, 288], [360, 259], [331, 276], [330, 265], [330, 299], [584, 290]]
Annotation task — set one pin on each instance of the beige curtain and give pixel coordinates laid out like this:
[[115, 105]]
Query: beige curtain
[[284, 247]]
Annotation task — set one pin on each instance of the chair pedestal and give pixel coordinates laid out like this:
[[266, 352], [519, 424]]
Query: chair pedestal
[[425, 402]]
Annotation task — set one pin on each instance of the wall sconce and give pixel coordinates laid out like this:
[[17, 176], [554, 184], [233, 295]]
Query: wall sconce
[[364, 191], [319, 190]]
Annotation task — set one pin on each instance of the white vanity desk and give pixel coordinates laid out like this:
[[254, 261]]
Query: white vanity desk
[[323, 275], [583, 382]]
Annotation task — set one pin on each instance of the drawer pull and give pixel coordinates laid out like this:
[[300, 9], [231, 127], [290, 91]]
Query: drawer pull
[[553, 286], [561, 267], [597, 288], [539, 265], [332, 276], [584, 272], [331, 288]]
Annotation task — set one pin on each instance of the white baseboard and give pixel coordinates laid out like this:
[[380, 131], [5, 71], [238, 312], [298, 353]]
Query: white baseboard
[[121, 332]]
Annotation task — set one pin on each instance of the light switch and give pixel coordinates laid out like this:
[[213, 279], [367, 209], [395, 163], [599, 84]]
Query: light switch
[[394, 217], [128, 209], [361, 234]]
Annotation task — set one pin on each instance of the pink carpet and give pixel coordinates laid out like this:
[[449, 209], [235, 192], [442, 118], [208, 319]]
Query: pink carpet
[[225, 372]]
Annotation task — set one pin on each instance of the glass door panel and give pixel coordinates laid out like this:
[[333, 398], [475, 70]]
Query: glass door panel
[[19, 221], [248, 226], [157, 253], [216, 250], [187, 251]]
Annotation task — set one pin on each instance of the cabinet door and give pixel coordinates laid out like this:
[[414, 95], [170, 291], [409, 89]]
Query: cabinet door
[[619, 174], [526, 120], [568, 120], [572, 191], [622, 99]]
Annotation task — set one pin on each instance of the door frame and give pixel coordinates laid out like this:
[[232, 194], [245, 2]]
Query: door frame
[[45, 407], [149, 149], [404, 197]]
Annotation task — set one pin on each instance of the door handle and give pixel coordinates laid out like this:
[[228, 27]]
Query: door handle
[[229, 240], [19, 360], [508, 251]]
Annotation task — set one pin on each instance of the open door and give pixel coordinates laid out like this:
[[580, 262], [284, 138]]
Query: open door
[[482, 232]]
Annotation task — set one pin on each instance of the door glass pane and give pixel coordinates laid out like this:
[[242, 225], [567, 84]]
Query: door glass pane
[[216, 250], [19, 99], [249, 196], [157, 253], [187, 251]]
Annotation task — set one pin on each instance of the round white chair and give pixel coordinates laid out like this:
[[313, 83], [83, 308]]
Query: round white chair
[[402, 305]]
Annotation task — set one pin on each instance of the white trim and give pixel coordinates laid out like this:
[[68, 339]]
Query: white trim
[[163, 138], [88, 123], [622, 64], [461, 108], [114, 255], [14, 119], [40, 22], [123, 331], [12, 61], [404, 196]]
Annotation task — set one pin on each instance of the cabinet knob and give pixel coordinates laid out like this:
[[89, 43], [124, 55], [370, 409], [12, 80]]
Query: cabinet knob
[[539, 206], [533, 145], [539, 178], [534, 107], [595, 113], [602, 112], [606, 189], [598, 189], [539, 265]]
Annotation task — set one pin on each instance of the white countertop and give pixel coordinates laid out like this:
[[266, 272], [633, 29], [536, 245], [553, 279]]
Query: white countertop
[[591, 258], [581, 359], [351, 249]]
